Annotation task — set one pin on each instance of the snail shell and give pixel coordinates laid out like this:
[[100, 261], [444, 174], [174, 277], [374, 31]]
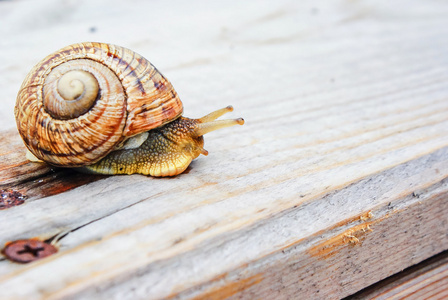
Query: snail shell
[[79, 103]]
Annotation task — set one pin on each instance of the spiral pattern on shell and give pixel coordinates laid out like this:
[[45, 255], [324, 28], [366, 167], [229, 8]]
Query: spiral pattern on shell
[[113, 93], [70, 93]]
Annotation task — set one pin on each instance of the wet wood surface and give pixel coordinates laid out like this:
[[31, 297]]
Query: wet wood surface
[[337, 180]]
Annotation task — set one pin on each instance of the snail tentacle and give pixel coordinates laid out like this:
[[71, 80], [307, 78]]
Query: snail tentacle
[[167, 151]]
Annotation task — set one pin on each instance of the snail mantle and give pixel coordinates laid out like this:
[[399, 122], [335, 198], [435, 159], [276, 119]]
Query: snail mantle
[[105, 109]]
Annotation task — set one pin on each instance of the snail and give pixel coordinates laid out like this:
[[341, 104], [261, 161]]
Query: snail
[[105, 109]]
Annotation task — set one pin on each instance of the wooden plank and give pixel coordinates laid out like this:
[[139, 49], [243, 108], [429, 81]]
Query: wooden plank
[[428, 280], [337, 180]]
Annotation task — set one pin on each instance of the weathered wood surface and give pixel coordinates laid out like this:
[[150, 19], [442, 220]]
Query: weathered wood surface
[[336, 181], [427, 280]]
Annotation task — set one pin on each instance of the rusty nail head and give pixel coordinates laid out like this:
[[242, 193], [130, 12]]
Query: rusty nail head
[[25, 251]]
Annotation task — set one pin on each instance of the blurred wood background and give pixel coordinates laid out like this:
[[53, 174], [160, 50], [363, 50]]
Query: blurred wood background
[[336, 181]]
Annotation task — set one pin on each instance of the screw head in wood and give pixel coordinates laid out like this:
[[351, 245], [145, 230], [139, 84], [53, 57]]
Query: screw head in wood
[[25, 251]]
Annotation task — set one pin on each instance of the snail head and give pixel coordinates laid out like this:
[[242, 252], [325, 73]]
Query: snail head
[[188, 133], [167, 150]]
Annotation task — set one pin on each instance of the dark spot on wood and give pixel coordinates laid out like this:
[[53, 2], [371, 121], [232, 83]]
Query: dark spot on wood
[[54, 182], [10, 198], [179, 240]]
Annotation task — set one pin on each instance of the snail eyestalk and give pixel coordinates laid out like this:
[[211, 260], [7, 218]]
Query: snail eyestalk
[[204, 128], [208, 124], [215, 114], [168, 150]]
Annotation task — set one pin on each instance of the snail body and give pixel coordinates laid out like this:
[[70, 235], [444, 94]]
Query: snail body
[[105, 109]]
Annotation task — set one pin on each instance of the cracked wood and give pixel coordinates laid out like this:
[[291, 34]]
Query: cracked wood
[[336, 181]]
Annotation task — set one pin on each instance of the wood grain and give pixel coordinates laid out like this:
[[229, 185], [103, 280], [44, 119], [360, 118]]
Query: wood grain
[[428, 280], [337, 180]]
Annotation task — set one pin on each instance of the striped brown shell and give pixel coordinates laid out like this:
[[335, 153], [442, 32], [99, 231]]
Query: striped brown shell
[[130, 96]]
